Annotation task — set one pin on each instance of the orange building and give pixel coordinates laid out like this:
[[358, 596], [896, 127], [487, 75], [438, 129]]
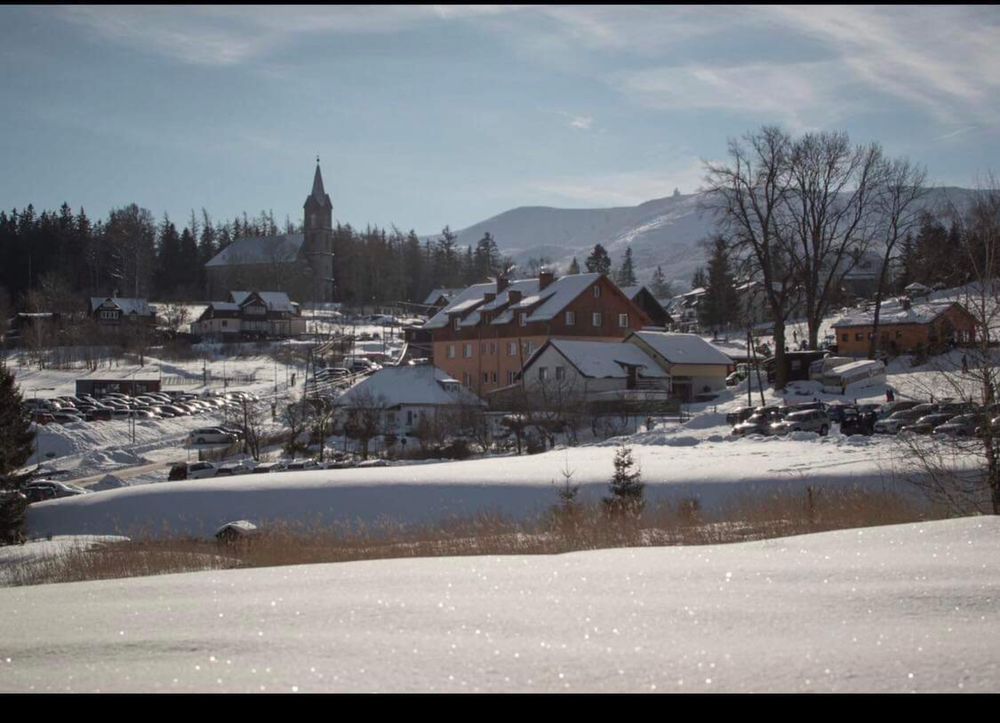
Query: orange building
[[906, 328], [488, 331]]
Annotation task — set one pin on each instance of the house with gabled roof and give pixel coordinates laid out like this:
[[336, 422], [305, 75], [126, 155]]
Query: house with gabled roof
[[487, 332], [112, 311], [644, 299], [695, 366], [906, 327], [251, 315]]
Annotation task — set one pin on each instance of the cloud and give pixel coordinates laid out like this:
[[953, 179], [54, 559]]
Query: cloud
[[230, 35], [583, 122], [801, 95]]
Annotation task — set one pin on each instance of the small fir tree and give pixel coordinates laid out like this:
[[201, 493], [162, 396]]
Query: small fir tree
[[626, 500], [626, 274], [574, 267], [16, 442], [599, 261]]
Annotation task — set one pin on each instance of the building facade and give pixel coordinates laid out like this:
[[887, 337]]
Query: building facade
[[251, 315], [488, 331], [906, 328]]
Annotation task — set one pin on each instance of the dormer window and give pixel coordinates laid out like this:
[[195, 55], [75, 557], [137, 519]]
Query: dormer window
[[597, 291], [522, 318], [455, 323]]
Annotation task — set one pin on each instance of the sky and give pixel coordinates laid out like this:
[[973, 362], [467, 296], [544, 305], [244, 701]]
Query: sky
[[426, 116]]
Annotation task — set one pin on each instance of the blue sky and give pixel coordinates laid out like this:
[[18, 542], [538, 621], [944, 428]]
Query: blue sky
[[426, 116]]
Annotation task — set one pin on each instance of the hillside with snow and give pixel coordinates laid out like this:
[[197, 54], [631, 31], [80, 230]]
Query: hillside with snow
[[664, 231]]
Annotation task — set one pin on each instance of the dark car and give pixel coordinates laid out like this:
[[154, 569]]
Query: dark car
[[926, 423], [855, 422], [740, 414], [964, 425]]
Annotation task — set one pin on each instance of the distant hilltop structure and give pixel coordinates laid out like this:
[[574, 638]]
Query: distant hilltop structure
[[300, 264]]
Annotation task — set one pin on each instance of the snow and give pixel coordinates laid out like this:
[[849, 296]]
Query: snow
[[683, 348], [597, 359], [888, 609], [417, 384], [896, 313], [128, 306], [260, 250], [275, 300], [561, 293]]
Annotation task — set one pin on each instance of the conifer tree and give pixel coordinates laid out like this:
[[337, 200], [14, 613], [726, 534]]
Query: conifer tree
[[574, 267], [626, 500], [626, 274], [598, 261], [16, 436], [659, 286]]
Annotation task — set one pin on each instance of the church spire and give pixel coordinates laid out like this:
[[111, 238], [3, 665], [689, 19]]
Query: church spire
[[318, 192]]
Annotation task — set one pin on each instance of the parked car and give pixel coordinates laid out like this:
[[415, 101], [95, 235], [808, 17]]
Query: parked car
[[741, 414], [201, 470], [810, 420], [51, 489], [211, 435], [964, 425], [926, 423], [757, 424], [896, 421], [855, 422]]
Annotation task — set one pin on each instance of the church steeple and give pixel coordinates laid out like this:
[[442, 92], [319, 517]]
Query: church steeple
[[318, 192]]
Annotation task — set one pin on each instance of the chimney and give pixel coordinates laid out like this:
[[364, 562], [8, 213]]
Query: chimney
[[502, 283], [514, 295], [545, 278]]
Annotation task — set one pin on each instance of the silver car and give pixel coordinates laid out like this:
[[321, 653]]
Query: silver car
[[811, 420]]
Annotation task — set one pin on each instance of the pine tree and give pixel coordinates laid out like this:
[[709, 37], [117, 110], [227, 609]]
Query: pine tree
[[16, 436], [598, 261], [659, 286], [626, 487], [574, 268], [700, 279], [626, 274], [719, 308]]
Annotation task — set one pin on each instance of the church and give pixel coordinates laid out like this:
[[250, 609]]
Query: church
[[300, 264]]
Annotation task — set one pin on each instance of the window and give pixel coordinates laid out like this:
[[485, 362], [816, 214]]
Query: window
[[466, 379], [107, 314], [597, 292], [560, 372], [467, 352], [528, 348], [493, 348], [845, 337], [522, 318], [596, 319], [486, 377], [451, 351], [455, 323], [570, 318], [409, 417], [623, 320], [510, 377], [494, 377], [543, 373], [899, 335], [225, 323], [859, 336], [512, 348]]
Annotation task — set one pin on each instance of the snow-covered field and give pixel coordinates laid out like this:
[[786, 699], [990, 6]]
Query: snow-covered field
[[900, 608]]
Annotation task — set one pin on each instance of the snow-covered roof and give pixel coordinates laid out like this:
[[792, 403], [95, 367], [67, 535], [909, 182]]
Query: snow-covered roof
[[282, 248], [603, 359], [682, 348], [894, 313], [437, 294], [418, 384], [476, 291], [224, 306], [561, 292], [140, 307], [275, 300]]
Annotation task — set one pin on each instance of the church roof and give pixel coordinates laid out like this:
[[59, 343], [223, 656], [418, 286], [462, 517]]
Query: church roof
[[283, 248]]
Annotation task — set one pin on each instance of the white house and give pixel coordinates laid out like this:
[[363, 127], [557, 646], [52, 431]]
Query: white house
[[695, 366], [595, 371], [404, 394]]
